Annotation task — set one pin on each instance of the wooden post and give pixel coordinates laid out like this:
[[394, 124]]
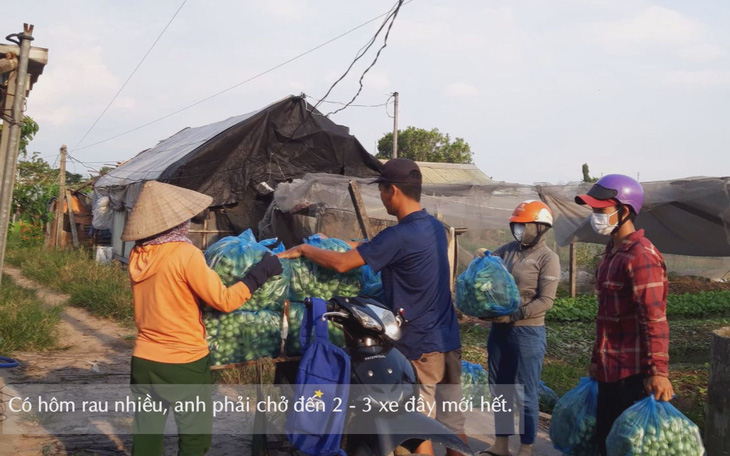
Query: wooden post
[[717, 422], [72, 219], [362, 215], [573, 270], [61, 197]]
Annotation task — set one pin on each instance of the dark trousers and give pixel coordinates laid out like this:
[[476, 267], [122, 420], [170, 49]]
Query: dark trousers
[[613, 399], [515, 355], [171, 386]]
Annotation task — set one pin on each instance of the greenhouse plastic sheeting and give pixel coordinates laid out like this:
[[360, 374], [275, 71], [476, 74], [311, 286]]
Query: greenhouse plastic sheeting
[[683, 217], [467, 206]]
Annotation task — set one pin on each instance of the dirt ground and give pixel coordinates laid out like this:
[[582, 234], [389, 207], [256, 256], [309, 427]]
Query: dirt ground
[[691, 284], [98, 351]]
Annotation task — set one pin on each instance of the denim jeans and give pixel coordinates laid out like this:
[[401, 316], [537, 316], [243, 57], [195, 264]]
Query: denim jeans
[[515, 357]]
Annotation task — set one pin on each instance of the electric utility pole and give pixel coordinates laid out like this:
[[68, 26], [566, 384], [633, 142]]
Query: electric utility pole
[[395, 126]]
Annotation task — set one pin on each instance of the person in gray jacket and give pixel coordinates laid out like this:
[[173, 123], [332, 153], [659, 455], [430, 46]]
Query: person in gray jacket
[[516, 345]]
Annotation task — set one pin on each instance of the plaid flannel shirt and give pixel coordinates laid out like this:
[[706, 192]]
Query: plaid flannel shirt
[[632, 332]]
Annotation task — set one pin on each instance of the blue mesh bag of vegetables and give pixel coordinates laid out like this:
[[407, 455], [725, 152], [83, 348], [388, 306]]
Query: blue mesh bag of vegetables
[[242, 335], [233, 256], [487, 289], [654, 428], [474, 382], [573, 425], [307, 280], [547, 398], [372, 284]]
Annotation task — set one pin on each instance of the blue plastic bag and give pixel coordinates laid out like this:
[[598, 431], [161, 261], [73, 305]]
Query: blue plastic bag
[[573, 425], [487, 289], [547, 398], [654, 428], [474, 382], [233, 256], [372, 284]]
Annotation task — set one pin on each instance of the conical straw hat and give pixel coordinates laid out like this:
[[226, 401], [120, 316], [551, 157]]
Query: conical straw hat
[[161, 207]]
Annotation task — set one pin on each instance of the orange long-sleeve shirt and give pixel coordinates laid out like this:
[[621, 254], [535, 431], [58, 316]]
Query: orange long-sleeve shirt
[[169, 281]]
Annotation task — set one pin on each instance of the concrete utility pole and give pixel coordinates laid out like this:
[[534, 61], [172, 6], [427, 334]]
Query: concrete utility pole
[[395, 126], [58, 217], [9, 154]]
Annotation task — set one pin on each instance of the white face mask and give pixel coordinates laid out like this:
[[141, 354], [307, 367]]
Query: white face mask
[[518, 230], [601, 224]]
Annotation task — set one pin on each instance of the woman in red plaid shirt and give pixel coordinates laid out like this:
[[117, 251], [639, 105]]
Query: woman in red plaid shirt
[[631, 353]]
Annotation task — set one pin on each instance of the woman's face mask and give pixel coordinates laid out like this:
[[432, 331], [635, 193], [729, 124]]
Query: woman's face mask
[[525, 233], [518, 231], [601, 223]]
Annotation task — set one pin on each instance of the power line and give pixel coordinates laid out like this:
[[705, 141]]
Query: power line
[[132, 74], [392, 18], [240, 83]]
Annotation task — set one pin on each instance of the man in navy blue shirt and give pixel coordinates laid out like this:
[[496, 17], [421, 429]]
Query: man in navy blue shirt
[[412, 257]]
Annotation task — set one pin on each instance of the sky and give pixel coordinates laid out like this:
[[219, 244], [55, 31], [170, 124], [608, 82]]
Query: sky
[[537, 88]]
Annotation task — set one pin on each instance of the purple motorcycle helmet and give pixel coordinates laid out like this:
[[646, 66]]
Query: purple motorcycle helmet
[[611, 189]]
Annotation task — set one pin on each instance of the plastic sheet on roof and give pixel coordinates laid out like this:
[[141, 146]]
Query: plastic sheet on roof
[[238, 159]]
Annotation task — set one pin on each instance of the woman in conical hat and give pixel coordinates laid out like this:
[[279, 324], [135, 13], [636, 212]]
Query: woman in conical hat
[[170, 280]]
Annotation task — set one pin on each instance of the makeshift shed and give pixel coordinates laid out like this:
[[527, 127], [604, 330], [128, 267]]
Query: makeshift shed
[[81, 208], [239, 162]]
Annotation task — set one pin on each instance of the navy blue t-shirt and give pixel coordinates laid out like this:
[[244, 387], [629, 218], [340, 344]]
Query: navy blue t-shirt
[[413, 259]]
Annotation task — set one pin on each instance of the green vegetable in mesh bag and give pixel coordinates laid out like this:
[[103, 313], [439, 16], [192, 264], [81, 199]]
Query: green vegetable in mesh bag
[[547, 398], [474, 382], [654, 428], [573, 425], [487, 289], [233, 256], [307, 280], [242, 336], [296, 315]]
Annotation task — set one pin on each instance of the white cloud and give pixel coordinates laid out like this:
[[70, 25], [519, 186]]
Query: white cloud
[[460, 89], [654, 26], [703, 52], [707, 78]]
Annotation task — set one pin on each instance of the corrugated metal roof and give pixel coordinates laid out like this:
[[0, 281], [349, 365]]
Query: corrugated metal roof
[[452, 173]]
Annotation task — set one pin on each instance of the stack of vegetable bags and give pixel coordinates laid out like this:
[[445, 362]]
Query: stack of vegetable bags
[[474, 382], [573, 425], [252, 331], [232, 257], [487, 289], [311, 281], [654, 429], [242, 335], [547, 398]]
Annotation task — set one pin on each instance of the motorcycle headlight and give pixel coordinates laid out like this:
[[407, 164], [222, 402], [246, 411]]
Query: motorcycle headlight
[[367, 321], [392, 329]]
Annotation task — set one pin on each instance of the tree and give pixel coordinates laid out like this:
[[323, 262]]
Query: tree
[[419, 144], [587, 175], [27, 131], [36, 185]]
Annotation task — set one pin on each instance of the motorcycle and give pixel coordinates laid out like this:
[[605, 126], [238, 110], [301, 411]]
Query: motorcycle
[[381, 374]]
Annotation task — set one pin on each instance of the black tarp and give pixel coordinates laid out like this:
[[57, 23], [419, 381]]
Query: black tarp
[[236, 159]]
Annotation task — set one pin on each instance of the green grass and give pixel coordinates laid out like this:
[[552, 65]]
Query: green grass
[[25, 324], [102, 290]]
